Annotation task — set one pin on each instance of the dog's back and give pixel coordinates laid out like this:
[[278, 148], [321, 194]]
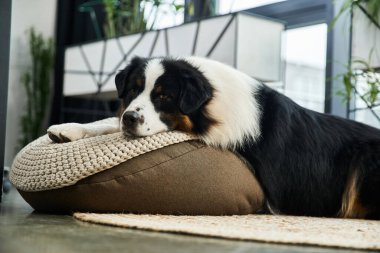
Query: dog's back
[[315, 164]]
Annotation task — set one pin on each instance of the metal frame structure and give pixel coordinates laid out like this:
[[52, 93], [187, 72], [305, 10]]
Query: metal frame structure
[[5, 31], [100, 75], [97, 76]]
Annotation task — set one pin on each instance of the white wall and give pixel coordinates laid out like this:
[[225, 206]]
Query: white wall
[[25, 13]]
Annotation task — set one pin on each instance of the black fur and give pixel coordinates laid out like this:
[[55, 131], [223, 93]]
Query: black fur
[[303, 158], [185, 88], [125, 80], [193, 91]]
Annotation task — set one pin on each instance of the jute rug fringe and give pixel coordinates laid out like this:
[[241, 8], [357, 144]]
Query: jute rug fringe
[[342, 233]]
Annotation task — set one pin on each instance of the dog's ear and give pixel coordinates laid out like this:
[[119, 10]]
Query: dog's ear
[[120, 81], [194, 93], [122, 77]]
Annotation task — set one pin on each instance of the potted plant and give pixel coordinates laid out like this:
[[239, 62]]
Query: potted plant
[[36, 82], [362, 78]]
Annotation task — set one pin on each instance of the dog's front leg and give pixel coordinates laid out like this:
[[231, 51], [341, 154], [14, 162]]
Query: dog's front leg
[[74, 131]]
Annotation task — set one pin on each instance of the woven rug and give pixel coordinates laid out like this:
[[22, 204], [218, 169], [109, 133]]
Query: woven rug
[[342, 233]]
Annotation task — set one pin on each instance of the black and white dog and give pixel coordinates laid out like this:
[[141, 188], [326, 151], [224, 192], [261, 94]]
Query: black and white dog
[[308, 163]]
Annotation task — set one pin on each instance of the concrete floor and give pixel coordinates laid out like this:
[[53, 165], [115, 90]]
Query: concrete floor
[[22, 230]]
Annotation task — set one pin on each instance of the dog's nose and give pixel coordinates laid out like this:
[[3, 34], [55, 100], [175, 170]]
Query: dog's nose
[[130, 118]]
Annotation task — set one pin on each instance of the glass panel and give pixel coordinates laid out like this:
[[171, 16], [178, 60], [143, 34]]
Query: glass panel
[[74, 60], [113, 55], [93, 53], [160, 46], [78, 84], [208, 33], [181, 39], [259, 47], [224, 50], [305, 66], [127, 42], [144, 46]]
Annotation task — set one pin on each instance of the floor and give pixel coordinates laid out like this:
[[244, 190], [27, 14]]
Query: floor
[[22, 230]]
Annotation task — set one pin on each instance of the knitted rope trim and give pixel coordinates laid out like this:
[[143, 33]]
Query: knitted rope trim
[[44, 165]]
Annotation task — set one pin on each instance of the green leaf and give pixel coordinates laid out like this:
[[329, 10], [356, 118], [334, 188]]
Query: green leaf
[[345, 7], [178, 7], [36, 82]]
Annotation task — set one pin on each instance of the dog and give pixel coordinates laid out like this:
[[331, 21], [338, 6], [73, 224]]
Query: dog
[[307, 163]]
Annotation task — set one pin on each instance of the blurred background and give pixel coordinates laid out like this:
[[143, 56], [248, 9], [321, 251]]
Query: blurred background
[[63, 55]]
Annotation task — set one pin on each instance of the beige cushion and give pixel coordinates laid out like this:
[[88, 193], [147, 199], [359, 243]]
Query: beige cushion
[[186, 178]]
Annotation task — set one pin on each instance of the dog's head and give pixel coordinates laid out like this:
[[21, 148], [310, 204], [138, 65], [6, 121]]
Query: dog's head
[[163, 94]]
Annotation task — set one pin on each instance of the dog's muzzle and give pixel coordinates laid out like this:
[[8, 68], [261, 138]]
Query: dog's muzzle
[[130, 120]]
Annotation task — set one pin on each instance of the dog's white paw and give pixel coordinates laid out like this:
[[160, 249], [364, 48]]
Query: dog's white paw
[[66, 132]]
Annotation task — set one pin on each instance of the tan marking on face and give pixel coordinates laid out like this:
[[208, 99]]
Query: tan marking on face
[[351, 206], [178, 122], [158, 88], [121, 110], [139, 82], [184, 123]]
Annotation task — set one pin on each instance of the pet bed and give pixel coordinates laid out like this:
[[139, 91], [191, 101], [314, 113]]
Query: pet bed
[[167, 173]]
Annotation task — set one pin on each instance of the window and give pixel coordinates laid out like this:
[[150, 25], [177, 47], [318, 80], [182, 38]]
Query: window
[[310, 54], [305, 66]]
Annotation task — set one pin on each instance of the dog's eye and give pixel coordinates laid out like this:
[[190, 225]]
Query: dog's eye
[[164, 97], [132, 91]]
